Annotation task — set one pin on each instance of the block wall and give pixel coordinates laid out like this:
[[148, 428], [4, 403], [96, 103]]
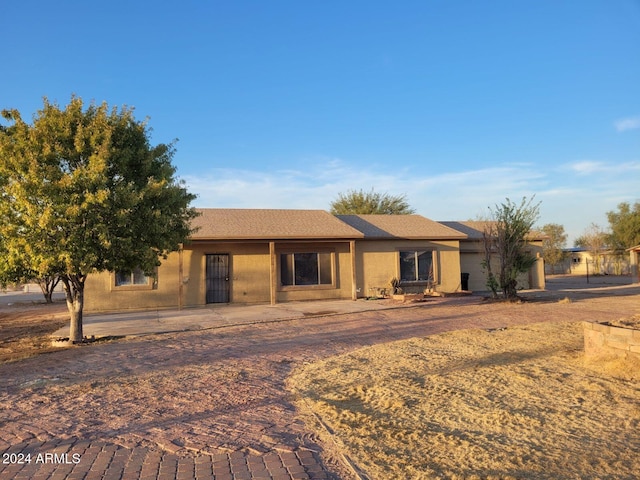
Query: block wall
[[606, 340]]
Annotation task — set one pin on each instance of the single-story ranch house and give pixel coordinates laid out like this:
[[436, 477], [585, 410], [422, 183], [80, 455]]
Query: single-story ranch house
[[273, 256], [580, 261]]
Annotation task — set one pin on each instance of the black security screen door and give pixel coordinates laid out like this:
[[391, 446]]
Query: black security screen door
[[217, 278]]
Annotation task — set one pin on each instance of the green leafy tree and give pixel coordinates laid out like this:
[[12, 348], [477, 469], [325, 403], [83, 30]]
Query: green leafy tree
[[625, 226], [14, 271], [361, 202], [83, 191], [553, 244], [505, 239], [580, 241]]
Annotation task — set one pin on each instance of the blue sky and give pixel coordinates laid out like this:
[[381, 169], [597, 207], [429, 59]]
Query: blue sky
[[284, 104]]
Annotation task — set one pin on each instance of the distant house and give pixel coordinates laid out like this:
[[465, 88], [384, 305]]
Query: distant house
[[273, 256], [580, 261]]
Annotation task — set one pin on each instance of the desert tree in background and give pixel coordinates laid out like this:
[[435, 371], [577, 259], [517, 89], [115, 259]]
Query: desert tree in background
[[625, 226], [553, 244], [359, 202]]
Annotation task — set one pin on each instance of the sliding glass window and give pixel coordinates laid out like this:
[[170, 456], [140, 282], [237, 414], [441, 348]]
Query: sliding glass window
[[306, 269], [416, 266]]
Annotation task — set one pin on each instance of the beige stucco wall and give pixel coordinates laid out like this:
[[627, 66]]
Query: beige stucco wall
[[471, 263], [249, 279], [248, 272], [472, 256], [101, 294], [376, 263], [536, 274], [379, 261]]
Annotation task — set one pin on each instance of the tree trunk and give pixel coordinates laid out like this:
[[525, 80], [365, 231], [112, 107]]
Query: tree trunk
[[47, 295], [510, 289], [488, 241], [48, 285], [74, 293]]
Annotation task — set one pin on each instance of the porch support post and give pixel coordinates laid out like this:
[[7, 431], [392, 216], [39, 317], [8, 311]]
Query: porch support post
[[354, 288], [634, 256], [273, 278], [180, 276]]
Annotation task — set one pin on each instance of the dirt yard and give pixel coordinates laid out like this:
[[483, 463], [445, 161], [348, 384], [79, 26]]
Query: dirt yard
[[507, 403], [26, 328]]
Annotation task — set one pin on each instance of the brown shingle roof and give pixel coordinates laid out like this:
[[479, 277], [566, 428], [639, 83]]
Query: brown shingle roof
[[474, 228], [400, 226], [263, 224]]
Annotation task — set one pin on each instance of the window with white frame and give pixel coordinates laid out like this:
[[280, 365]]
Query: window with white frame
[[416, 266]]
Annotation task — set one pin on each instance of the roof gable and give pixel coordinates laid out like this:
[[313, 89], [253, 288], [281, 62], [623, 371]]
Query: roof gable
[[400, 226], [263, 224]]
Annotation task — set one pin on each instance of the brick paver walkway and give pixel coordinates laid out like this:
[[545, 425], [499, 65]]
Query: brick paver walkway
[[211, 404], [77, 459]]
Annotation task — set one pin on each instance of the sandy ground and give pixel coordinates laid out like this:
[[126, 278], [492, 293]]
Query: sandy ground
[[500, 403]]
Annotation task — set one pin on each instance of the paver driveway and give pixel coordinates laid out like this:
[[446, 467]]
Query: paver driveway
[[213, 403]]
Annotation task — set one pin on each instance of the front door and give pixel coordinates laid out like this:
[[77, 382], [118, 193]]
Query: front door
[[217, 272]]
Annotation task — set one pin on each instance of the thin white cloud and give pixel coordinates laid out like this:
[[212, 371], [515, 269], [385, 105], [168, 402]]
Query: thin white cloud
[[574, 195], [443, 195], [609, 169], [629, 123], [587, 167]]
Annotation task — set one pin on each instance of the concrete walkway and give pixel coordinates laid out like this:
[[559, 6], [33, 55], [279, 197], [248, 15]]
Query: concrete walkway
[[219, 316], [148, 322]]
